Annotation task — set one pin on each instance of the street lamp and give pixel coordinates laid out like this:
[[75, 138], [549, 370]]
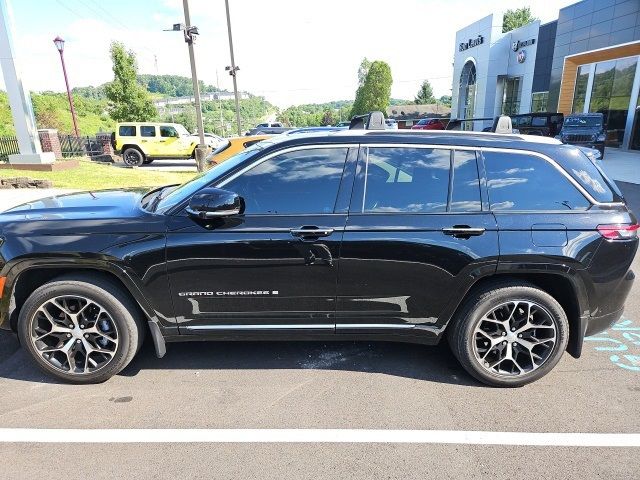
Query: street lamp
[[59, 43]]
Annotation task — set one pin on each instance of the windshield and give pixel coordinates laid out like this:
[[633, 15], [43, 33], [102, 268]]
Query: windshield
[[583, 121], [423, 122], [203, 179]]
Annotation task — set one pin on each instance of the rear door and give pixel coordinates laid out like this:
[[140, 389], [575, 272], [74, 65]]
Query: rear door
[[419, 232], [149, 140]]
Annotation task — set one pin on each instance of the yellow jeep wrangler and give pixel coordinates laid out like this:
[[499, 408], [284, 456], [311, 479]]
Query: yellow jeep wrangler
[[143, 142]]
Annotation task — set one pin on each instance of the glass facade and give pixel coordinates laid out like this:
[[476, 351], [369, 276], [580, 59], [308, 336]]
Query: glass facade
[[511, 99], [580, 92], [539, 101], [611, 94]]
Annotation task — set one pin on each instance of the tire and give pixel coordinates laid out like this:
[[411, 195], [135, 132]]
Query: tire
[[117, 331], [133, 157], [521, 304]]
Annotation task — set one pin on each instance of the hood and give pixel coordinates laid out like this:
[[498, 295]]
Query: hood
[[114, 210]]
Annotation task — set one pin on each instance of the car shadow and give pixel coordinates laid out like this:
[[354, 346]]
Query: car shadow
[[428, 363]]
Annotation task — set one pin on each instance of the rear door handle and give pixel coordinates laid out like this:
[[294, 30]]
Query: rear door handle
[[311, 232], [463, 231]]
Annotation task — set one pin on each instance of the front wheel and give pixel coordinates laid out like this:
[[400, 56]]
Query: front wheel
[[80, 331], [509, 335]]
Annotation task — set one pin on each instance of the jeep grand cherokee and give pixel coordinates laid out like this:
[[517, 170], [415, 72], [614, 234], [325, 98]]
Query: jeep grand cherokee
[[512, 248]]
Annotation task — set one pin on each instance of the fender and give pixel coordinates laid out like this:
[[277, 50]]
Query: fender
[[22, 266]]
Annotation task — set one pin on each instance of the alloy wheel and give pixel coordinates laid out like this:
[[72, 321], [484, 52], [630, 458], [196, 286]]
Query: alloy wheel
[[515, 338], [132, 157], [74, 334]]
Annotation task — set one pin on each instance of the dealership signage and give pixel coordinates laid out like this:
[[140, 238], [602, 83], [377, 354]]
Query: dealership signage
[[472, 42], [517, 45]]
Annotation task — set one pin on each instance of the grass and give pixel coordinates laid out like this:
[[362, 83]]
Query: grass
[[96, 176]]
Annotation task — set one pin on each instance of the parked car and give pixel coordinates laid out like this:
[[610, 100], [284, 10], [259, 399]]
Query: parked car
[[367, 234], [142, 143], [391, 124], [467, 124], [545, 124], [268, 129], [429, 124], [210, 139], [344, 124], [585, 129], [232, 146]]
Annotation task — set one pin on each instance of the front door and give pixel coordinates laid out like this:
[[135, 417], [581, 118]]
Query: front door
[[419, 233], [171, 143], [274, 267]]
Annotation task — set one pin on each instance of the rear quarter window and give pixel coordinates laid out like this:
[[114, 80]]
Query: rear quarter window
[[590, 177], [127, 131], [523, 182]]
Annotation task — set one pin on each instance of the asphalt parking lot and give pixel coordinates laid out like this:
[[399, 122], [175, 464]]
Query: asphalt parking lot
[[318, 385]]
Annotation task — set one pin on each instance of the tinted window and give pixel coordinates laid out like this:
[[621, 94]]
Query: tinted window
[[524, 182], [166, 131], [407, 180], [539, 121], [127, 131], [466, 183], [303, 181], [147, 131]]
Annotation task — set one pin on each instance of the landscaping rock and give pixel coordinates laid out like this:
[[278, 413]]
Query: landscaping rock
[[23, 182]]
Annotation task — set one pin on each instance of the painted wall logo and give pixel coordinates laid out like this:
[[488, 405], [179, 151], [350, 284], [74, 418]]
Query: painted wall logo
[[522, 56], [472, 42], [623, 342], [517, 45]]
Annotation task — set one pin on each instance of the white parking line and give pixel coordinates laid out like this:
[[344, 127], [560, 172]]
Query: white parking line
[[52, 435]]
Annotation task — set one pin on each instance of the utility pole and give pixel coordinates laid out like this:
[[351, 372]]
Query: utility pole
[[222, 129], [189, 36], [233, 69], [59, 43]]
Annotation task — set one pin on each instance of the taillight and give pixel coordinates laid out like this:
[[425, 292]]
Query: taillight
[[619, 232]]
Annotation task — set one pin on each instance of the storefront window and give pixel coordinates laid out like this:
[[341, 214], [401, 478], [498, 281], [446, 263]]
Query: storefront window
[[580, 93], [511, 99], [611, 94], [467, 93], [539, 101]]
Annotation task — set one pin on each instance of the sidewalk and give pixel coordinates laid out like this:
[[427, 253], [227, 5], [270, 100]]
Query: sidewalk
[[622, 165]]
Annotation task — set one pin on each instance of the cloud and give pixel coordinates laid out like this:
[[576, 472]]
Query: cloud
[[290, 51]]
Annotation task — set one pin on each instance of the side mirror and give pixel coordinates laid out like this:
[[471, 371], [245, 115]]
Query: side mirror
[[215, 203]]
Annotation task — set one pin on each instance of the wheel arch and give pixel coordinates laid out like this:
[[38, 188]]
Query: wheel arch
[[32, 277], [567, 290], [133, 145]]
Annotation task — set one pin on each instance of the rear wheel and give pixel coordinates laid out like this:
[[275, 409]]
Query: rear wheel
[[509, 335], [80, 331], [133, 157]]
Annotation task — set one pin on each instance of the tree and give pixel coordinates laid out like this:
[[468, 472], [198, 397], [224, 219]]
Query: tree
[[365, 65], [375, 92], [328, 118], [445, 100], [517, 18], [425, 94], [128, 100]]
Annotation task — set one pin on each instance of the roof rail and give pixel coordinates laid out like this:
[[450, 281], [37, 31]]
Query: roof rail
[[370, 121]]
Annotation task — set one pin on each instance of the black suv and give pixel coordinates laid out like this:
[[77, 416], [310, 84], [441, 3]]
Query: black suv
[[513, 247], [584, 129]]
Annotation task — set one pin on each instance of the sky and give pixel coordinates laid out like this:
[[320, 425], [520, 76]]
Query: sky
[[289, 51]]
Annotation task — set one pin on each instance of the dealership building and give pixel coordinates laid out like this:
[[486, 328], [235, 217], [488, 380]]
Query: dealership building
[[586, 61]]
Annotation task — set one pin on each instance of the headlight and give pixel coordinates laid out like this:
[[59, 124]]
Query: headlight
[[602, 137]]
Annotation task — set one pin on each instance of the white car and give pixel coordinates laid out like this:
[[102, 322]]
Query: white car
[[391, 124], [210, 139]]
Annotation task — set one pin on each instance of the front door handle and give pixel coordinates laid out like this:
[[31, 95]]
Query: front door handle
[[463, 231], [311, 232]]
